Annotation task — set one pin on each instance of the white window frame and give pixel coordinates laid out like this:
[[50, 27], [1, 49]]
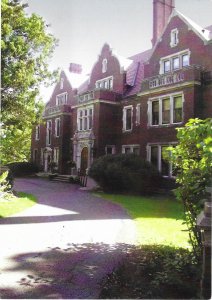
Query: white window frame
[[113, 147], [57, 120], [86, 118], [62, 99], [48, 132], [105, 83], [56, 154], [37, 133], [159, 166], [174, 39], [138, 114], [160, 99], [132, 147], [104, 65], [171, 57], [124, 118]]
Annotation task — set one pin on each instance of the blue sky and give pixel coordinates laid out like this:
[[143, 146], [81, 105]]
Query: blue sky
[[83, 26]]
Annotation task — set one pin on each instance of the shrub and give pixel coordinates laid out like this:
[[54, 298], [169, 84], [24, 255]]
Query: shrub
[[125, 173], [8, 177], [154, 272], [22, 168]]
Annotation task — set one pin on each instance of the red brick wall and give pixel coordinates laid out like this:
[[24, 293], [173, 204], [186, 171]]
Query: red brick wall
[[113, 69]]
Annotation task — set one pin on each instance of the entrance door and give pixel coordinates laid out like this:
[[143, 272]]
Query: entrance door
[[84, 159]]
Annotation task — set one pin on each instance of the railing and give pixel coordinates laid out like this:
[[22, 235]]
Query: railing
[[54, 110], [104, 94], [191, 73], [83, 177]]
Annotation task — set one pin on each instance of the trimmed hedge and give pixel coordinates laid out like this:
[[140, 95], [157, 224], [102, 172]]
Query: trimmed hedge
[[22, 168], [125, 173]]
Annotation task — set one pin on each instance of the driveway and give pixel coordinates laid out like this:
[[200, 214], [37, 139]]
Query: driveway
[[64, 246]]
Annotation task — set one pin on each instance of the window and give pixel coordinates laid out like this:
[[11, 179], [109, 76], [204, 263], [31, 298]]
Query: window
[[61, 83], [57, 127], [165, 110], [174, 38], [48, 132], [174, 62], [56, 155], [178, 109], [158, 155], [138, 114], [37, 132], [167, 66], [185, 60], [126, 149], [62, 99], [155, 112], [85, 119], [104, 65], [90, 118], [127, 118], [105, 83], [110, 149]]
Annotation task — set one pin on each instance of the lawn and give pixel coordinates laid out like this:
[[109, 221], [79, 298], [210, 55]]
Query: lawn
[[159, 220], [15, 204]]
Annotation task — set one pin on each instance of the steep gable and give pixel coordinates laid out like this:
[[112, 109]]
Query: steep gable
[[181, 35]]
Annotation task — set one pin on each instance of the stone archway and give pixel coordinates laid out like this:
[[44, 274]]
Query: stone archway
[[84, 159]]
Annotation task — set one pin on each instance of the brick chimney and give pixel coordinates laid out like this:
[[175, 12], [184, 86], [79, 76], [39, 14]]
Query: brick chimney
[[162, 9]]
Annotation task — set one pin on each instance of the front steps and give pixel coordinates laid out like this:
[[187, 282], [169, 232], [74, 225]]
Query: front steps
[[62, 178]]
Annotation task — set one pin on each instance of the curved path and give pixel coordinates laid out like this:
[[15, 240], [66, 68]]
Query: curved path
[[62, 247]]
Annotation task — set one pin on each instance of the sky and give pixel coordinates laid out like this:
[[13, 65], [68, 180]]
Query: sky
[[83, 26]]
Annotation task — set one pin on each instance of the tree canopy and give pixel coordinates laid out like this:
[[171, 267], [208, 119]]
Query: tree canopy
[[26, 46]]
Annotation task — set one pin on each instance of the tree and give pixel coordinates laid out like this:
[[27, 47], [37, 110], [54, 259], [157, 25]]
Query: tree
[[26, 47], [192, 159]]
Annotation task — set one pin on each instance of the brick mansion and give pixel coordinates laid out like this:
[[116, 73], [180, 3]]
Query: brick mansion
[[130, 104]]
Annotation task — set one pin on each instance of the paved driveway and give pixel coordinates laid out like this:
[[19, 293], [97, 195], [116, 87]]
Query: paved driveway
[[63, 246]]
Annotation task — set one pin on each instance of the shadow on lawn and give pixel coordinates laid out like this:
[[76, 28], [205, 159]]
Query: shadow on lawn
[[72, 273]]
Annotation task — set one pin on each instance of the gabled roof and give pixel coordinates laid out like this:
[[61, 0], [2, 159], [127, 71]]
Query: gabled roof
[[210, 29], [203, 33]]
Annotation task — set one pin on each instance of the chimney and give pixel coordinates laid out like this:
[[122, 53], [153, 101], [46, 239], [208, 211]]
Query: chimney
[[162, 9]]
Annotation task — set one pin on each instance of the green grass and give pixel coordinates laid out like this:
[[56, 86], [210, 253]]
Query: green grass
[[14, 204], [158, 219]]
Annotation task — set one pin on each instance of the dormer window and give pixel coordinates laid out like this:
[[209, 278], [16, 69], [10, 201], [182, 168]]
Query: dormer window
[[174, 38], [104, 65], [61, 83]]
